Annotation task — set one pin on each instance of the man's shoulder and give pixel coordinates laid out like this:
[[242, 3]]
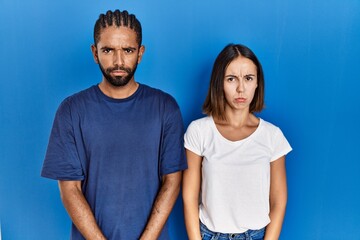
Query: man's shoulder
[[81, 95], [159, 96], [77, 101], [155, 92]]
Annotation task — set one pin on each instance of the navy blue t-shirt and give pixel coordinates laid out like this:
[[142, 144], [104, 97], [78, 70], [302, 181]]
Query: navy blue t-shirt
[[119, 149]]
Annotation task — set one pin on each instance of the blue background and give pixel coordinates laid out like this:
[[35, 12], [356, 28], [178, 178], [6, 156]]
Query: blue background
[[310, 54]]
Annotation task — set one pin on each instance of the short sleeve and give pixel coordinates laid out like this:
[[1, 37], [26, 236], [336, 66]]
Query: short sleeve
[[281, 146], [192, 139], [62, 159], [172, 147]]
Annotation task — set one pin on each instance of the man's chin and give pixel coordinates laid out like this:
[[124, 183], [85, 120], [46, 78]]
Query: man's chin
[[118, 82]]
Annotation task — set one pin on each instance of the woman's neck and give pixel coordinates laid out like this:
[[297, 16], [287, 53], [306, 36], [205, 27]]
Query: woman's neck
[[238, 125]]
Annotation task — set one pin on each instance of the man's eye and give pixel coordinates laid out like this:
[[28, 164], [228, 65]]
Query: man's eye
[[107, 50], [129, 50]]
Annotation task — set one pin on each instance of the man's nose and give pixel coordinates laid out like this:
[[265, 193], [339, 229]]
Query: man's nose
[[118, 58]]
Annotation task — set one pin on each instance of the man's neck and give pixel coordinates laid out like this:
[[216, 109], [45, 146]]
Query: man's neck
[[120, 92]]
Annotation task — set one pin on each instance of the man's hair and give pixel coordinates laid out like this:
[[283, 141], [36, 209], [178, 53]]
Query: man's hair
[[215, 101], [117, 18]]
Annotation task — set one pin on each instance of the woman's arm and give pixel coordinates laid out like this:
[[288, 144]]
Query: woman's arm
[[190, 192], [79, 209], [278, 198]]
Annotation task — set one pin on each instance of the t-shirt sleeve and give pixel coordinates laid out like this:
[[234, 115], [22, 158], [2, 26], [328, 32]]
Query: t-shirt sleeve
[[281, 146], [192, 139], [62, 159], [172, 147]]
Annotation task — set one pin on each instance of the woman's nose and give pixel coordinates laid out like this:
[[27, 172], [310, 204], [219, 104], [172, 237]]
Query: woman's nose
[[240, 87]]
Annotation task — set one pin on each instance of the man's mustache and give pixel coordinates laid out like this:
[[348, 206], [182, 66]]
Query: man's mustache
[[117, 68]]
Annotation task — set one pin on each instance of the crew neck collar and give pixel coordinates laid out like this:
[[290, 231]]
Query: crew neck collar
[[110, 99]]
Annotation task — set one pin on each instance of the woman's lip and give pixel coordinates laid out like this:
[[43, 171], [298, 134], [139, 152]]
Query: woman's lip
[[241, 99]]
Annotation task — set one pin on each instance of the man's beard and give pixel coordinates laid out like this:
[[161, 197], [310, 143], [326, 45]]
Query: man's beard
[[118, 81]]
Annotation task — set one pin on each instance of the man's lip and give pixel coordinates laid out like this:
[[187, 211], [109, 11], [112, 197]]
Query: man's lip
[[118, 72]]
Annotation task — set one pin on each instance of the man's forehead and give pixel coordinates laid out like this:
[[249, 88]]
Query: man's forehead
[[118, 34], [110, 30]]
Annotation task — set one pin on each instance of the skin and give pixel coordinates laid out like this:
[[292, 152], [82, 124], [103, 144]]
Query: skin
[[240, 83], [190, 193], [118, 47], [163, 205], [79, 210]]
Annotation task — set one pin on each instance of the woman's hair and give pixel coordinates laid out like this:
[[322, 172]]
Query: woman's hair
[[215, 101], [117, 19]]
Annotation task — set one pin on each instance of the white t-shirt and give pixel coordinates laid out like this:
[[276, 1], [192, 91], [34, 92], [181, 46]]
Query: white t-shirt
[[235, 183]]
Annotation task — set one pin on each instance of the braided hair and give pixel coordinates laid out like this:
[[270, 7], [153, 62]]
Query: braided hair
[[117, 18]]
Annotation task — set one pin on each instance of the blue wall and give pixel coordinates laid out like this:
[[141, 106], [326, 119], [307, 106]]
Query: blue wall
[[310, 53]]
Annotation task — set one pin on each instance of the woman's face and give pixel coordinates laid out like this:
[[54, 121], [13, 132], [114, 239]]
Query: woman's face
[[240, 83]]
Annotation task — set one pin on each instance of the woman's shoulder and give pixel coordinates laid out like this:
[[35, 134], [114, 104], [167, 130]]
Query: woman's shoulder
[[269, 127], [201, 122], [267, 124], [200, 125]]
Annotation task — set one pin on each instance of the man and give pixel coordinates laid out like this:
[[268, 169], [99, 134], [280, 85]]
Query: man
[[116, 148]]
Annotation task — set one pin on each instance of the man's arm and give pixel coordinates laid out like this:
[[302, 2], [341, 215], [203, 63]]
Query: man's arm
[[163, 205], [79, 210]]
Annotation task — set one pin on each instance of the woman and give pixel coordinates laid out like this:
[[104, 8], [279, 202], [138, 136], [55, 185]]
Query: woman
[[236, 180]]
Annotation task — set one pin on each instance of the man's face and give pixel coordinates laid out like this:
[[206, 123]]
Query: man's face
[[117, 54]]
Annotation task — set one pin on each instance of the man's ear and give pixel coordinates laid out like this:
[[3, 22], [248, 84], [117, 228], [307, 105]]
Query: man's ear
[[94, 52], [141, 52]]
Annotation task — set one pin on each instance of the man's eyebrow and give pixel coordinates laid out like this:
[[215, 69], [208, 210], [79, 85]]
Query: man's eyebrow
[[106, 47], [129, 48]]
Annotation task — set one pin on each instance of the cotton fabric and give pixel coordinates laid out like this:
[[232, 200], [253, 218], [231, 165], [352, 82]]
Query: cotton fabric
[[235, 174], [119, 149]]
